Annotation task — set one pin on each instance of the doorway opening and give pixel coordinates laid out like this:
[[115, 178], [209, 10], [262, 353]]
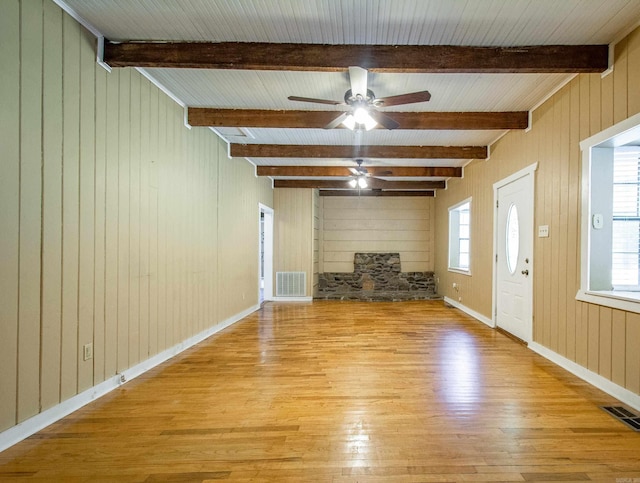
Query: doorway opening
[[265, 254]]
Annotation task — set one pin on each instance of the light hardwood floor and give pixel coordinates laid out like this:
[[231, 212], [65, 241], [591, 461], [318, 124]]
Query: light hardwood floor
[[341, 391]]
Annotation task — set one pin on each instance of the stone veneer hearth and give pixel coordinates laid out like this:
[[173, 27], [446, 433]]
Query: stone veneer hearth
[[376, 276]]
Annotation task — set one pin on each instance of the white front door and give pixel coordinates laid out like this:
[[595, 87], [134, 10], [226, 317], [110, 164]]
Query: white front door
[[514, 257]]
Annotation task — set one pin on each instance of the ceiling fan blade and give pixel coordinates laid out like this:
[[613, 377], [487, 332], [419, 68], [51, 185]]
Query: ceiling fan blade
[[382, 173], [337, 121], [354, 171], [316, 101], [358, 79], [410, 98], [383, 119]]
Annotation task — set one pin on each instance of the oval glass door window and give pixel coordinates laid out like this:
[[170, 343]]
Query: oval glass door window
[[513, 238]]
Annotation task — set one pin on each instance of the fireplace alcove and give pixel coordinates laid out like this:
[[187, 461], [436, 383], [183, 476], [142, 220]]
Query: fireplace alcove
[[376, 277]]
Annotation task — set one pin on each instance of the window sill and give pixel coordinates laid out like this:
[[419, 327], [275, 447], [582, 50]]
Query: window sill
[[628, 301], [460, 271]]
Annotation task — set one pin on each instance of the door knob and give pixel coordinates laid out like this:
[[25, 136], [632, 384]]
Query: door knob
[[525, 272]]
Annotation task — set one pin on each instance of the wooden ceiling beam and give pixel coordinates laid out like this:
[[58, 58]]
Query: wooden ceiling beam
[[375, 193], [376, 151], [377, 58], [385, 171], [373, 183], [257, 118]]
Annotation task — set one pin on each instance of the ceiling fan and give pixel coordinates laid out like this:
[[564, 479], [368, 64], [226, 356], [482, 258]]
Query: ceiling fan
[[363, 104], [360, 175]]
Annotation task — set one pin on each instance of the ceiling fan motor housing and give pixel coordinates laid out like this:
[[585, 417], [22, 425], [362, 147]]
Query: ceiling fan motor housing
[[352, 100]]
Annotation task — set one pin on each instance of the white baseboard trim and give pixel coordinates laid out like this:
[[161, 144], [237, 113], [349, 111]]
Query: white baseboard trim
[[40, 421], [291, 299], [624, 395], [471, 312]]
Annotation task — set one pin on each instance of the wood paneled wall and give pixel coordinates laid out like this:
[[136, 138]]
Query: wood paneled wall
[[603, 340], [120, 226], [372, 224], [293, 232], [316, 239]]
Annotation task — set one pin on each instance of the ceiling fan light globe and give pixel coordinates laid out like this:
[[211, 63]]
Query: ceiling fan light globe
[[362, 183], [353, 183], [361, 115], [370, 123], [349, 122], [363, 118]]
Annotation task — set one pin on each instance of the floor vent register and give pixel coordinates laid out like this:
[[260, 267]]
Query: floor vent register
[[627, 417]]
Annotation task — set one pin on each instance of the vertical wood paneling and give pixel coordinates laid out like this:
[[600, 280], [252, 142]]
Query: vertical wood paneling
[[51, 207], [124, 120], [595, 107], [293, 232], [111, 226], [605, 346], [573, 227], [145, 220], [134, 222], [162, 201], [546, 205], [99, 329], [70, 203], [632, 370], [620, 104], [168, 186], [633, 72], [606, 93], [618, 347], [9, 214], [180, 216], [316, 238], [195, 279], [238, 270], [152, 166], [212, 222], [582, 334], [110, 211], [564, 165], [538, 248], [554, 217], [87, 209], [30, 208]]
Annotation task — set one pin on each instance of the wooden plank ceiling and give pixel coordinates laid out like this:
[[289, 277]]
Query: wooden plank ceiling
[[484, 70]]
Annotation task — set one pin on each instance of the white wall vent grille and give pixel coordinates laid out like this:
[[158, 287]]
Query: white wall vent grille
[[291, 284]]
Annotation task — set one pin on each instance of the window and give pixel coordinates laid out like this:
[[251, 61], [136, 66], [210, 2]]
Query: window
[[611, 217], [512, 243], [625, 273], [459, 236]]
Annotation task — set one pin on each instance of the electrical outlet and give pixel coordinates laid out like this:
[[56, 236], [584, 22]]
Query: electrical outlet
[[87, 351], [543, 231]]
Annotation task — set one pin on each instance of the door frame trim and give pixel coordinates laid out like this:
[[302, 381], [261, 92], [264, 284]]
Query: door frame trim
[[528, 171]]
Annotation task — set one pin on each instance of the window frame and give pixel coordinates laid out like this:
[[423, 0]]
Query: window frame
[[618, 135], [450, 240]]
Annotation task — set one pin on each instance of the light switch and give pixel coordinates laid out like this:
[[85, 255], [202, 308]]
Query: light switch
[[543, 231], [597, 221], [87, 351]]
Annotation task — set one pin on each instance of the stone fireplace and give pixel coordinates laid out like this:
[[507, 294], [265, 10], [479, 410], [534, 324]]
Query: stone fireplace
[[376, 276]]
